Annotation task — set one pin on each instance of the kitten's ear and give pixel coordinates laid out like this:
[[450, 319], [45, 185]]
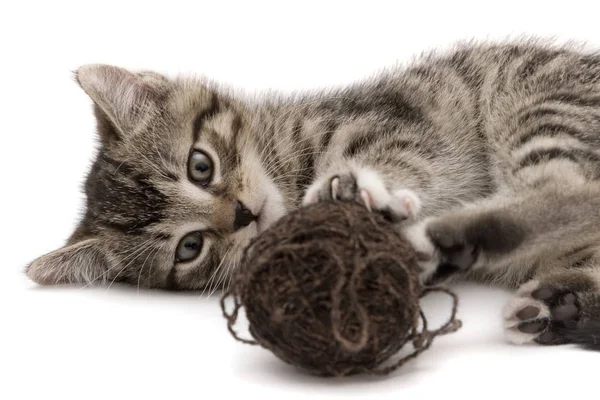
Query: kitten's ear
[[127, 98], [82, 262]]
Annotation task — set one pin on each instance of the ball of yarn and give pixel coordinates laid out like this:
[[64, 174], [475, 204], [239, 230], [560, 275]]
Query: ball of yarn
[[334, 290]]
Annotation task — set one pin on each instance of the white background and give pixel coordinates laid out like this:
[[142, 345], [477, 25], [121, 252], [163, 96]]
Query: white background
[[121, 343]]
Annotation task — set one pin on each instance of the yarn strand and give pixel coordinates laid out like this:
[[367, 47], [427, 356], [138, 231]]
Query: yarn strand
[[334, 290]]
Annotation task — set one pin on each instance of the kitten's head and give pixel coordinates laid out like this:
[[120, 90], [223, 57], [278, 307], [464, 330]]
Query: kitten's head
[[176, 190]]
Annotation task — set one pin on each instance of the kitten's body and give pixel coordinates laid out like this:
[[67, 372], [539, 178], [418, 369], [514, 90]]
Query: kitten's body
[[487, 158]]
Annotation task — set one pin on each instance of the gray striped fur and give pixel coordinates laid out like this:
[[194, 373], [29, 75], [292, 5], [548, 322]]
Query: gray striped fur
[[486, 156]]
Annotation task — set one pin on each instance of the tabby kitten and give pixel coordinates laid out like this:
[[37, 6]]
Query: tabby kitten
[[487, 158]]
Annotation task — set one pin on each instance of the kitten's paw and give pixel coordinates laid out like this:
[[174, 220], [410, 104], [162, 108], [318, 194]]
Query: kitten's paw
[[427, 254], [455, 251], [541, 313], [442, 248], [366, 187]]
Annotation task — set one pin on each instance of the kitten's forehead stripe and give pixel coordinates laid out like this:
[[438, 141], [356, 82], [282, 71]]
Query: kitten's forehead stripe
[[220, 144], [236, 127], [212, 109]]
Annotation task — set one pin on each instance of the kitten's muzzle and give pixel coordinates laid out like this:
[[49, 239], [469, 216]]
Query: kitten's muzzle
[[243, 216]]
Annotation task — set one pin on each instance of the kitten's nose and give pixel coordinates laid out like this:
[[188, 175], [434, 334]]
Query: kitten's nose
[[243, 216]]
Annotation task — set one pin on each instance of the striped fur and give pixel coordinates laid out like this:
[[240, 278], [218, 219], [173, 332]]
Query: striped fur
[[491, 147]]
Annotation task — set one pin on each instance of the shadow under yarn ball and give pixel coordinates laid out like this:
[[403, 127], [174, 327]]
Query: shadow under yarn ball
[[334, 290]]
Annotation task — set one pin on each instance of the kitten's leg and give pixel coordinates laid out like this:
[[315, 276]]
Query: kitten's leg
[[511, 239], [548, 239], [353, 182], [557, 308]]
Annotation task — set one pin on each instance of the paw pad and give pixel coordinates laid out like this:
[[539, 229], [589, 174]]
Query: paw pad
[[529, 312], [532, 327], [540, 315]]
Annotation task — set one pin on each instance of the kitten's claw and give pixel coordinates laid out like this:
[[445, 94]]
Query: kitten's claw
[[365, 187], [365, 198], [407, 202], [335, 187]]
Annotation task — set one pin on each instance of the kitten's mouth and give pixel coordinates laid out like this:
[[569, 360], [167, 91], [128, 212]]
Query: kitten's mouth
[[269, 210], [260, 216]]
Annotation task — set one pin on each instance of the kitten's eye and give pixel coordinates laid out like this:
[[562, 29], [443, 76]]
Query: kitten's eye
[[189, 247], [200, 167]]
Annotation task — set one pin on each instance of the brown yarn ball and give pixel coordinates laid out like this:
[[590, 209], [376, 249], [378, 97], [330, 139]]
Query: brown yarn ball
[[334, 290]]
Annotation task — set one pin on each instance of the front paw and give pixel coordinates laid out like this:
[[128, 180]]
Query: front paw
[[456, 251], [464, 238], [366, 187], [442, 247]]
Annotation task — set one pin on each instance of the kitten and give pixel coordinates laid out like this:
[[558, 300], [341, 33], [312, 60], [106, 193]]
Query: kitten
[[486, 157]]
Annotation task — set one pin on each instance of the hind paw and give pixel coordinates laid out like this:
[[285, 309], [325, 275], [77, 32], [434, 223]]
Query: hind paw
[[540, 313]]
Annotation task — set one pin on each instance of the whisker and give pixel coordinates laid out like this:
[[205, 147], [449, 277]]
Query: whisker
[[221, 277], [235, 266], [124, 268], [151, 252], [150, 164], [150, 268], [135, 249], [273, 163], [214, 273], [292, 156]]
